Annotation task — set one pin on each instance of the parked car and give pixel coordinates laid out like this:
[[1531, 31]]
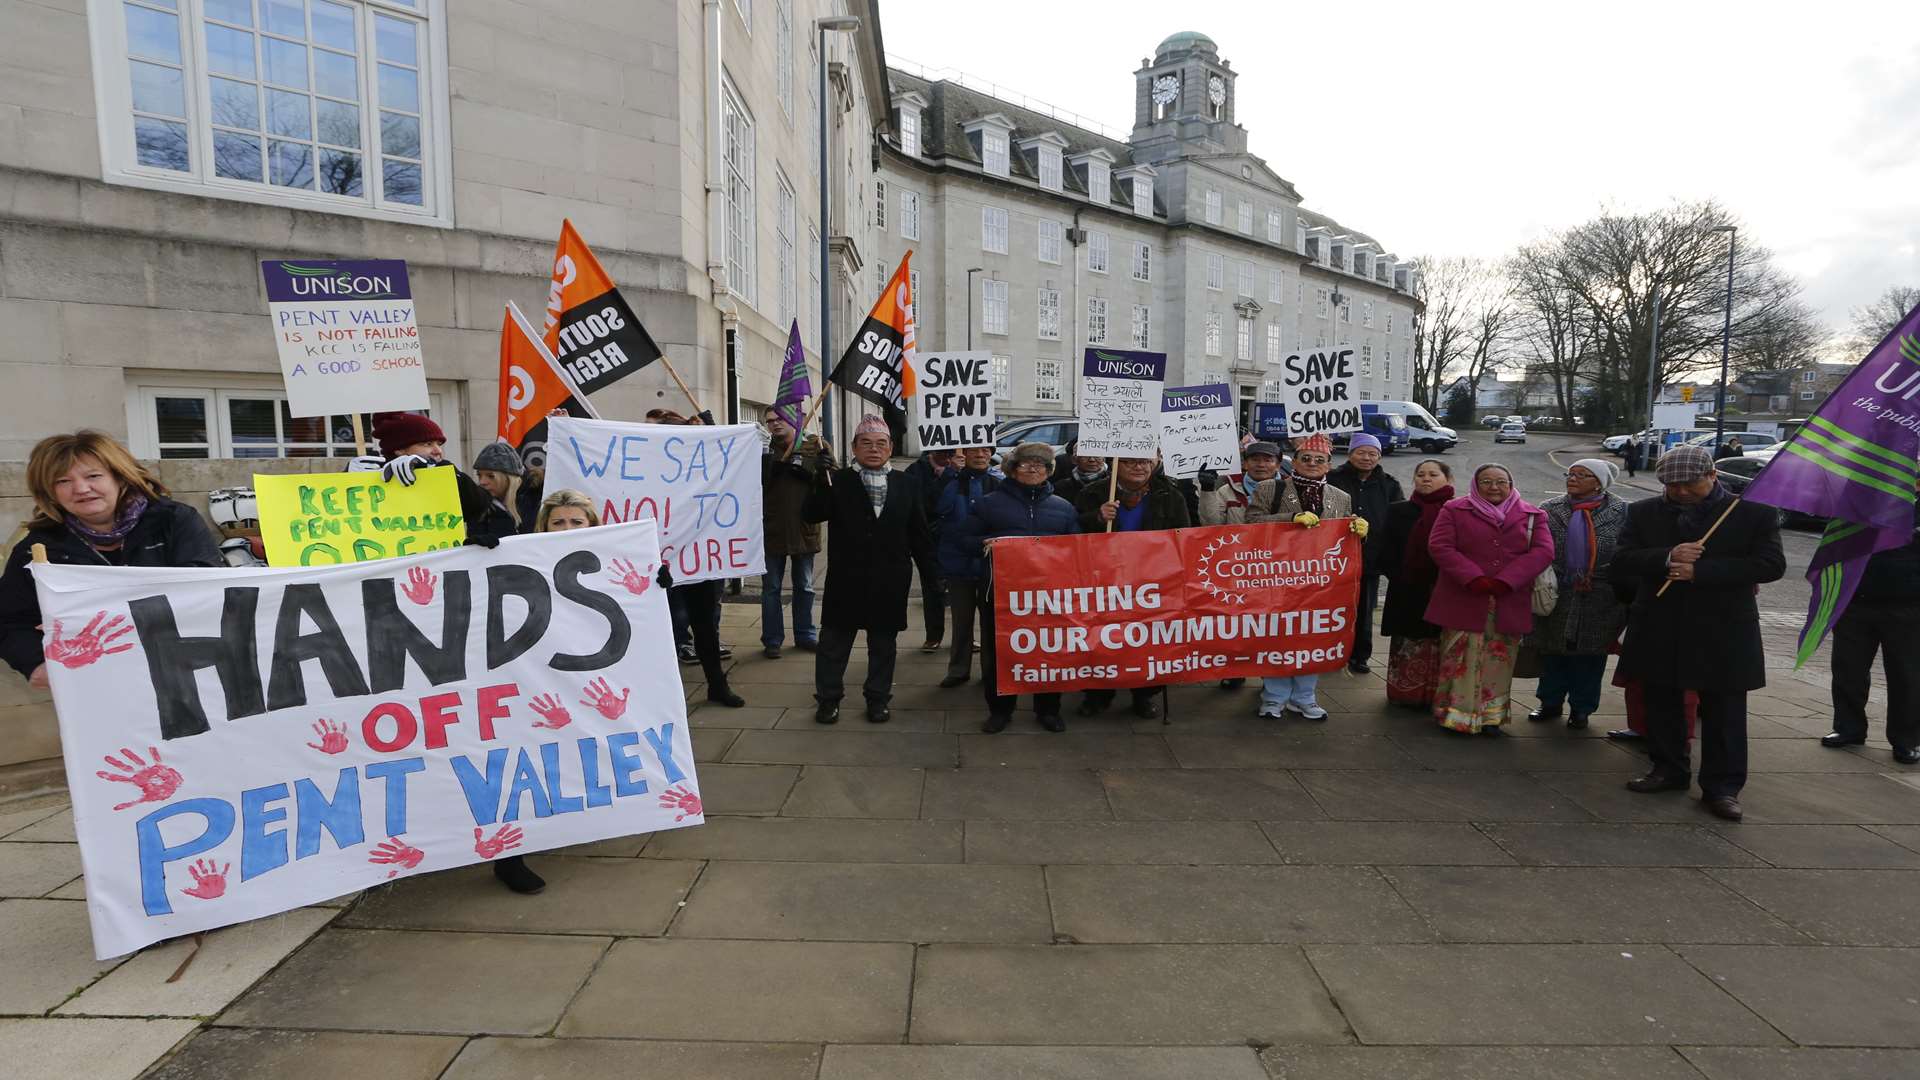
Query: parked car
[[1493, 423], [1617, 444], [1055, 431], [1736, 473], [1424, 432], [1749, 440], [1511, 431]]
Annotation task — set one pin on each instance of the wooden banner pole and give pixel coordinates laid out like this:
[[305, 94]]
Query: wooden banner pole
[[359, 436], [1715, 528], [1113, 485], [801, 432], [691, 400]]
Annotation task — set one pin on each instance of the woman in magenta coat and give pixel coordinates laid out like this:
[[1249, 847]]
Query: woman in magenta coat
[[1488, 546]]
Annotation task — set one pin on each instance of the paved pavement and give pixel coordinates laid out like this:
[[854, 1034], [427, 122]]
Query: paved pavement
[[1218, 897]]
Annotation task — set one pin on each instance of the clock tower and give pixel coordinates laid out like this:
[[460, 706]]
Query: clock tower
[[1183, 101]]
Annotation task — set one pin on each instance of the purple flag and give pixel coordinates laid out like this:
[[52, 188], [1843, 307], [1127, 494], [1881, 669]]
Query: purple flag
[[1854, 463], [789, 403]]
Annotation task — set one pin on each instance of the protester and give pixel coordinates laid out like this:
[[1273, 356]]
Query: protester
[[93, 504], [412, 441], [683, 638], [1704, 633], [925, 474], [1573, 640], [1884, 615], [1082, 473], [1631, 454], [1413, 663], [792, 541], [962, 566], [494, 469], [1022, 505], [1489, 546], [1302, 498], [1372, 489], [1144, 501], [877, 531], [1226, 504]]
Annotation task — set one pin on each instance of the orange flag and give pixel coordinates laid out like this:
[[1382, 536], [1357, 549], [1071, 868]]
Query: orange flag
[[531, 386], [878, 365], [593, 335]]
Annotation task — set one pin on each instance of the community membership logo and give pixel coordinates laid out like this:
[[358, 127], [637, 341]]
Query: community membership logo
[[1228, 569]]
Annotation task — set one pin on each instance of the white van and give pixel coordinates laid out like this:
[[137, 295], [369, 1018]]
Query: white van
[[1424, 432]]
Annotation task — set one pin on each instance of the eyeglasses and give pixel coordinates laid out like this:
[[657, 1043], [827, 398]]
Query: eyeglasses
[[1492, 482], [1031, 465], [1311, 459]]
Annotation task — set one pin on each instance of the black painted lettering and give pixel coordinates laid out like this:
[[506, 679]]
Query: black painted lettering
[[172, 661], [286, 682]]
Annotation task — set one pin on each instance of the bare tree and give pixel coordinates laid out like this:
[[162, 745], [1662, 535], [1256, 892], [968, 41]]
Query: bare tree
[[1554, 332], [1877, 320], [1461, 330]]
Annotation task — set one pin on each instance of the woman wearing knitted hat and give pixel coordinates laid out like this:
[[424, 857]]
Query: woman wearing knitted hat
[[412, 441], [494, 469], [1573, 640], [1302, 498]]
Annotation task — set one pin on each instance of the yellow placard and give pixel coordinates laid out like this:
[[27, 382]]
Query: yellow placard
[[324, 518]]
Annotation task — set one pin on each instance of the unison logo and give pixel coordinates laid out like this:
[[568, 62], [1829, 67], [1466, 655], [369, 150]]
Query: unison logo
[[329, 281]]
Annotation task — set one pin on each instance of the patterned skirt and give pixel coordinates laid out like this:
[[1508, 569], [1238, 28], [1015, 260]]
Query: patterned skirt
[[1476, 678], [1413, 671]]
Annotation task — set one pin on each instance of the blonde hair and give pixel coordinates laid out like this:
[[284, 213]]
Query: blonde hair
[[54, 455], [564, 497]]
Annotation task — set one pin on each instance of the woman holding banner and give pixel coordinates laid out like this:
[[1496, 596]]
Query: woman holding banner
[[1413, 664], [1302, 497], [93, 504], [1144, 500], [1488, 546]]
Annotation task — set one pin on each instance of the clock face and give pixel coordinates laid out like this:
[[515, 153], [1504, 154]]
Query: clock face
[[1165, 89], [1217, 90]]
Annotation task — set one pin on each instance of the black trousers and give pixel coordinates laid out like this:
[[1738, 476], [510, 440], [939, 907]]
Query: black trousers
[[998, 703], [1723, 737], [830, 665], [701, 602], [933, 596], [1363, 618], [1892, 630]]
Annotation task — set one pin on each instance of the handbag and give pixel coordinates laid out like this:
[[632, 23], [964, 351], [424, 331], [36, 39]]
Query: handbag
[[1546, 587]]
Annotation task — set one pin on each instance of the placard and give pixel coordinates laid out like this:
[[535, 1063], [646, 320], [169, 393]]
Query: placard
[[1120, 403], [1270, 421], [243, 742], [1321, 393], [1199, 430], [953, 407], [347, 335], [319, 519]]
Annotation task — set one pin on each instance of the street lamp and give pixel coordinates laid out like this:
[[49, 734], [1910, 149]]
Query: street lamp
[[838, 23], [1726, 336], [972, 270]]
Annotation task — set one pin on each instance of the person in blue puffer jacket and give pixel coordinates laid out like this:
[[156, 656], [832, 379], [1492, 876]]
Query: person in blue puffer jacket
[[968, 478], [1023, 505]]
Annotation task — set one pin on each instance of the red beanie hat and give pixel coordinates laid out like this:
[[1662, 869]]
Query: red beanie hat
[[396, 431]]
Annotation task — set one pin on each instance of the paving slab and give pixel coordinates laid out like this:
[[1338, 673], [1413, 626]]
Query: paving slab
[[856, 791], [429, 983], [1613, 844], [63, 1049], [1438, 796], [14, 818], [745, 789], [1069, 750], [867, 902], [554, 1059], [1807, 755], [1820, 995], [1475, 1063], [1550, 751], [37, 869], [1120, 995], [618, 897], [1208, 795], [903, 748], [758, 713], [1542, 995], [924, 720], [1328, 751], [1907, 836], [1802, 1063], [225, 962], [1812, 847], [223, 1053], [55, 828], [710, 744], [791, 839], [1227, 904], [1181, 843], [48, 954], [1837, 907], [1041, 1063], [1829, 798], [618, 847], [746, 991], [1017, 794], [1384, 843], [1549, 905], [1606, 797]]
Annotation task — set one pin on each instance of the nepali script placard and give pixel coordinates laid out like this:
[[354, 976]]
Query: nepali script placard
[[241, 742], [1112, 610], [1120, 403], [702, 484]]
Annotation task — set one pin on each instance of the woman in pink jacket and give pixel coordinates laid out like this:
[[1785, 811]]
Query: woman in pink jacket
[[1488, 546]]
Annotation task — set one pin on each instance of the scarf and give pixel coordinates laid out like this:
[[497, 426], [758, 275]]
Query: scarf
[[1312, 493], [1583, 544], [1695, 520], [875, 481], [1084, 479], [123, 523], [1418, 560]]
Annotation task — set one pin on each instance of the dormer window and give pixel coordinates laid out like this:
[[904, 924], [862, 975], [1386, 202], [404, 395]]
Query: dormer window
[[1099, 182], [1042, 154], [1049, 168], [991, 136], [1140, 179], [910, 132]]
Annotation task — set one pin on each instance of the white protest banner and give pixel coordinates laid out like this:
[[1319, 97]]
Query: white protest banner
[[1120, 403], [1321, 392], [240, 742], [701, 483], [347, 336], [953, 406], [1199, 430]]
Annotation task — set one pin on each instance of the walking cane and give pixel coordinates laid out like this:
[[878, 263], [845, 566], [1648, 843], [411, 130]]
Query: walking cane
[[1665, 585]]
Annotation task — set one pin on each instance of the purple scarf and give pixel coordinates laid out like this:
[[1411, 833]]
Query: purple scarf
[[123, 524]]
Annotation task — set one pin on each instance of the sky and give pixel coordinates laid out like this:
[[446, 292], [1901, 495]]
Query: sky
[[1471, 128]]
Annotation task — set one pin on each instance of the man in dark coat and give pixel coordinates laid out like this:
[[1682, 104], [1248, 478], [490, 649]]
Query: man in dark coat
[[1372, 490], [925, 474], [1883, 616], [1704, 633], [1079, 474], [1144, 501], [786, 476], [877, 531]]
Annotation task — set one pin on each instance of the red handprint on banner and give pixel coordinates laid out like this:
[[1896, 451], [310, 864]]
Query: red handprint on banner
[[553, 713], [156, 782], [396, 853], [686, 802], [209, 881], [419, 586], [505, 838], [600, 698], [89, 644], [633, 580], [333, 736]]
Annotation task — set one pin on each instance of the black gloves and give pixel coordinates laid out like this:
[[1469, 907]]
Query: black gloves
[[483, 541], [1207, 479]]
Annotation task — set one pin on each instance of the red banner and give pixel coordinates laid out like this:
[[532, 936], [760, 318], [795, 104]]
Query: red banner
[[1189, 605]]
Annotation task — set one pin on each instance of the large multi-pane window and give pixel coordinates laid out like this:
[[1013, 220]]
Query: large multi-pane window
[[1097, 252], [1003, 378], [1216, 271], [993, 229], [1142, 327], [1276, 286], [1049, 323], [1051, 234], [1273, 343], [784, 233], [880, 204], [1276, 226], [1366, 313], [910, 215], [1243, 277], [909, 131], [783, 48], [993, 307], [1096, 320], [1143, 196], [1214, 210], [1142, 261], [1243, 339], [920, 307], [993, 152], [1212, 341], [1320, 303], [244, 417], [1047, 380], [1099, 182], [1049, 168], [736, 155], [1366, 361], [1246, 217]]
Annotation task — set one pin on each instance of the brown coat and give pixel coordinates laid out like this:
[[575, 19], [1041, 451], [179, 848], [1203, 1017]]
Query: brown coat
[[784, 487]]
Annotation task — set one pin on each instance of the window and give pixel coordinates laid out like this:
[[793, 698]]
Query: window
[[1276, 226], [880, 278], [1320, 303], [343, 110], [1099, 182], [1143, 196], [736, 152], [909, 131], [1216, 271], [783, 46], [1213, 208], [1002, 378], [1806, 395], [1049, 328], [1246, 217], [1389, 322], [1366, 361], [1809, 376], [993, 229], [993, 307], [880, 204], [1386, 364], [1273, 343], [785, 234], [1346, 312], [1320, 339], [1142, 327], [1050, 237], [1142, 261], [1275, 286], [247, 417], [1096, 320], [1366, 313], [910, 215], [1213, 333], [1050, 168], [1097, 252], [993, 152], [1243, 275], [1299, 239], [1047, 380], [1243, 339]]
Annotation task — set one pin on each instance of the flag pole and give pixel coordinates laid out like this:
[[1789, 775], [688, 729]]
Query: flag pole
[[691, 400], [801, 431], [1710, 531], [1113, 485]]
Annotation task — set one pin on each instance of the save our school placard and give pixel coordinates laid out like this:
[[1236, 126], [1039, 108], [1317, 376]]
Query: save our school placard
[[240, 742]]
